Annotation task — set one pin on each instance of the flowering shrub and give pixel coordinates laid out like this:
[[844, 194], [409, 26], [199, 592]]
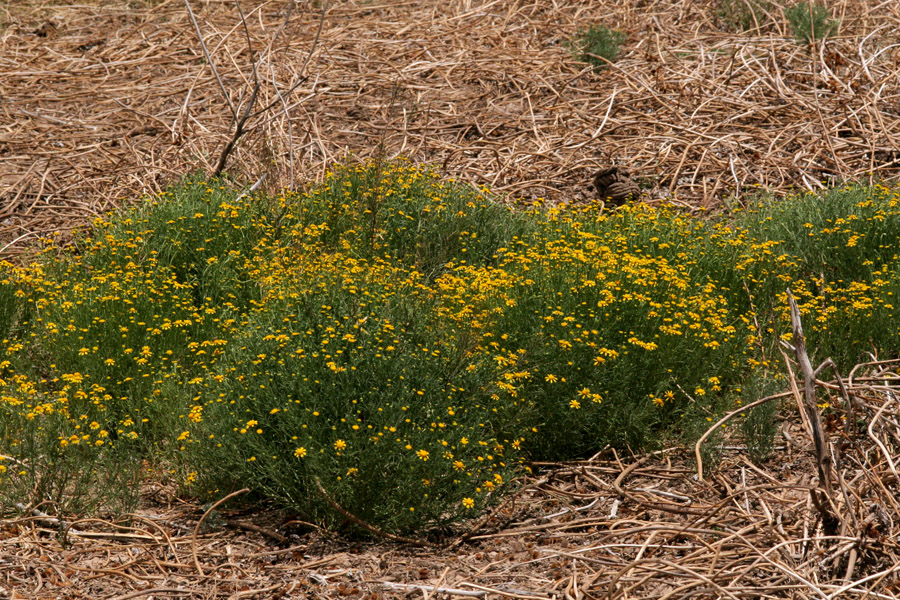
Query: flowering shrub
[[405, 342]]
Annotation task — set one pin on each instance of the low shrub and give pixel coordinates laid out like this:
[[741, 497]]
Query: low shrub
[[402, 345], [810, 22], [598, 45], [743, 15]]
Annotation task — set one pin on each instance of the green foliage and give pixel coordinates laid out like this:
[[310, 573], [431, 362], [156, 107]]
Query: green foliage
[[75, 478], [758, 425], [10, 309], [597, 45], [411, 216], [839, 254], [743, 15], [408, 343], [810, 22]]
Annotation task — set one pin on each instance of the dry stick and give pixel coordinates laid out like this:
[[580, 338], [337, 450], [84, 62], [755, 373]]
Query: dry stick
[[363, 524], [424, 588], [261, 591], [878, 442], [302, 77], [268, 51], [434, 590], [849, 423], [849, 428], [504, 593], [139, 593], [248, 113], [617, 484], [257, 529], [795, 391], [200, 522], [209, 60], [239, 128], [18, 239], [823, 456]]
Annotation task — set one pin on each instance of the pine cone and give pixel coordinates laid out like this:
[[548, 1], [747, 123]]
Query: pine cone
[[612, 184]]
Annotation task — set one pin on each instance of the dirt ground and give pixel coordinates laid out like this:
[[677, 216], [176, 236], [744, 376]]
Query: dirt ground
[[103, 101]]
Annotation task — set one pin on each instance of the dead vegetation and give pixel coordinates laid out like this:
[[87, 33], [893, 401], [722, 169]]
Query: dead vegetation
[[103, 101]]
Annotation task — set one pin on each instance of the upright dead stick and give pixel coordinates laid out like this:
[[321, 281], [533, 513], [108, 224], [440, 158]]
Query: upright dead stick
[[241, 117], [240, 122], [209, 60], [823, 456], [823, 453]]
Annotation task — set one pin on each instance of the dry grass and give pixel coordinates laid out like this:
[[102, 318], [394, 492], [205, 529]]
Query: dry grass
[[102, 101]]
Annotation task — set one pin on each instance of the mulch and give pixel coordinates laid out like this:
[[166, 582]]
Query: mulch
[[105, 101]]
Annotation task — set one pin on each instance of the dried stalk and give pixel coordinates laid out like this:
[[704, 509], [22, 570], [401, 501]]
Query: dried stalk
[[824, 461]]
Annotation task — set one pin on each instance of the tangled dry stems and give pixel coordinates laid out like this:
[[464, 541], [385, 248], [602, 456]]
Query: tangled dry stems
[[103, 101]]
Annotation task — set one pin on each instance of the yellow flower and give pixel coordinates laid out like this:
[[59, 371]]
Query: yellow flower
[[575, 404], [340, 445], [300, 452], [468, 502], [422, 454]]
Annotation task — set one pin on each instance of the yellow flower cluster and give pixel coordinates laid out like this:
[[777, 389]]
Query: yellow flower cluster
[[395, 336]]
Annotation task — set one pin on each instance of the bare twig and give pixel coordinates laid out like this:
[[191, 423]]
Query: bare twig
[[725, 419], [824, 461], [209, 59], [206, 513]]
